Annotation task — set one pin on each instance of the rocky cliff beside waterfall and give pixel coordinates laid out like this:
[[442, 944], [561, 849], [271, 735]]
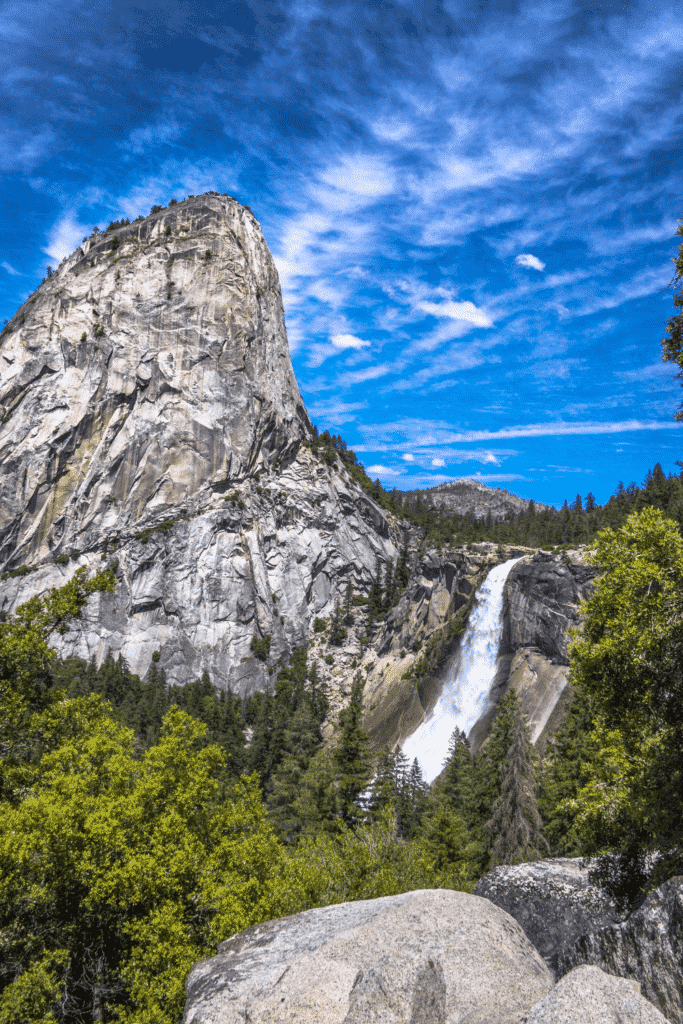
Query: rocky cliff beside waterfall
[[150, 415]]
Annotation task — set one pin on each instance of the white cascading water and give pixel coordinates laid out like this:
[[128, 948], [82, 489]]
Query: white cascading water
[[465, 697]]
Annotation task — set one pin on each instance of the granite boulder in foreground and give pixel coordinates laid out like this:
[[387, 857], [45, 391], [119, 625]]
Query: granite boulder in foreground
[[648, 947], [428, 957], [553, 900], [589, 996]]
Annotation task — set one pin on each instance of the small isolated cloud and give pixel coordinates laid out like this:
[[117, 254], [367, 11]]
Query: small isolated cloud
[[438, 463], [64, 236], [525, 259], [10, 270], [348, 341], [408, 457]]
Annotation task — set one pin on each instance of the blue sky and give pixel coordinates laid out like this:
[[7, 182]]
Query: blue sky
[[472, 206]]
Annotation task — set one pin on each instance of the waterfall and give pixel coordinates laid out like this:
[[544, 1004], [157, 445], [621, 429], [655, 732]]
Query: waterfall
[[465, 696]]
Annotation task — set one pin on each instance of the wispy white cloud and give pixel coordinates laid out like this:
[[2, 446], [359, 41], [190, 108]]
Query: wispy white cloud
[[424, 433], [10, 270]]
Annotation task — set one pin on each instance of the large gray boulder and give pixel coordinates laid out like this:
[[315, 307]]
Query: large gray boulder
[[589, 996], [429, 957], [647, 947], [553, 900]]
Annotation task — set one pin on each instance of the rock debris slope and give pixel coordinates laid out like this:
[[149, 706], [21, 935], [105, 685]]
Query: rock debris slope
[[149, 409]]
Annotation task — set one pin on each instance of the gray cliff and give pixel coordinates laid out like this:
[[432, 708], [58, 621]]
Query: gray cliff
[[151, 414]]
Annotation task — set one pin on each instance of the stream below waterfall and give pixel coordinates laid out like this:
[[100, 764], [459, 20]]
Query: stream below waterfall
[[466, 694]]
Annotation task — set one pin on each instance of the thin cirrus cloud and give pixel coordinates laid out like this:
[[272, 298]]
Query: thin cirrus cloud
[[406, 174]]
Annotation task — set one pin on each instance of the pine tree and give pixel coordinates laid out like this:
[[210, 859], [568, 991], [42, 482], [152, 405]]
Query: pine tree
[[457, 778], [348, 604], [514, 830], [402, 569], [301, 741], [384, 789], [352, 756], [375, 598], [566, 768], [338, 631], [389, 589], [412, 801]]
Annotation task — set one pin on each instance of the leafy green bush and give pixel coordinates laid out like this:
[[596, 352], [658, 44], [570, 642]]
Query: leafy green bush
[[261, 647], [62, 559], [319, 625], [23, 570], [163, 527]]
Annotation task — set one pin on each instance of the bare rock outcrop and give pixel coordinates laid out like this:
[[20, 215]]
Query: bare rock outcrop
[[427, 957], [553, 900], [647, 947]]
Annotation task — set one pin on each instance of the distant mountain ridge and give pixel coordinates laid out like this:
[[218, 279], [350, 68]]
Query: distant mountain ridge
[[468, 497]]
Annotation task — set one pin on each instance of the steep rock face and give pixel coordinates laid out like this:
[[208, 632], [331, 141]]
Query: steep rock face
[[152, 366], [647, 947], [553, 900], [150, 409], [427, 957], [542, 597]]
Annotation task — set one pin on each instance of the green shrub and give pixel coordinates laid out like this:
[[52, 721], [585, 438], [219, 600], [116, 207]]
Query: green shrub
[[260, 647], [23, 570], [329, 659], [156, 209], [156, 655], [320, 625], [62, 559], [163, 527]]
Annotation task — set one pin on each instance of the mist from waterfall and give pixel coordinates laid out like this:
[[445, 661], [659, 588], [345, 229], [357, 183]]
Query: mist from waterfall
[[466, 695]]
